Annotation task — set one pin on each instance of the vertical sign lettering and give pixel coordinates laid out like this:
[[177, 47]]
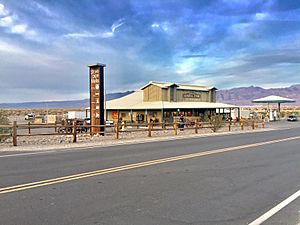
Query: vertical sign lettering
[[97, 98]]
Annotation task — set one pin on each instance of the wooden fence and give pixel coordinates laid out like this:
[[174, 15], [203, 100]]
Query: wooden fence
[[116, 129]]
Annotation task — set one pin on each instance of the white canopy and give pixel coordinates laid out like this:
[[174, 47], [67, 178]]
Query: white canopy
[[273, 99]]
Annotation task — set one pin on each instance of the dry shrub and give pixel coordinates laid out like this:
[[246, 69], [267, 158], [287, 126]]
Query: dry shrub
[[4, 121], [216, 122]]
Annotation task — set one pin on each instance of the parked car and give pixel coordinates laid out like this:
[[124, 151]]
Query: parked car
[[30, 116], [292, 118], [87, 121]]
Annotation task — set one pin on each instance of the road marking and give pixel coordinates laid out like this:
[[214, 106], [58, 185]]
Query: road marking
[[73, 177], [27, 153], [276, 209]]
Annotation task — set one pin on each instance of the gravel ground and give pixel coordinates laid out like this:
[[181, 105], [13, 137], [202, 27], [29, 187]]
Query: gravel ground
[[35, 143]]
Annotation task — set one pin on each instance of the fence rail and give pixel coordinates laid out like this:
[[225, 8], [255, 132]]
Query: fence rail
[[74, 129]]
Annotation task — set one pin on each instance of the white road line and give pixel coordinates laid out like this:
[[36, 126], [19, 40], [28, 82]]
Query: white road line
[[276, 209], [24, 154]]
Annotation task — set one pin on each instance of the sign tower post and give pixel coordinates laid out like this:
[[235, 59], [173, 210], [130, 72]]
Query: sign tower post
[[97, 92]]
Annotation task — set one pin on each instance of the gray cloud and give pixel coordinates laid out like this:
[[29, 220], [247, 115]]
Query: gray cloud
[[194, 56], [255, 62]]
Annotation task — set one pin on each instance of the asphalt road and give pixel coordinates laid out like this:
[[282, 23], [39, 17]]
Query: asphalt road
[[208, 181]]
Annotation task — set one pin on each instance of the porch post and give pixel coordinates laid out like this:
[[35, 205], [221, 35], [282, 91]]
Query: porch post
[[162, 117], [146, 115]]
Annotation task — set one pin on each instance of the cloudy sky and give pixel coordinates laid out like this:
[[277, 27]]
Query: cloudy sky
[[45, 46]]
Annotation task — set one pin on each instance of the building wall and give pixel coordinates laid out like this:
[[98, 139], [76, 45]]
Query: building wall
[[155, 93], [210, 96], [146, 94], [165, 94], [213, 95], [113, 115], [172, 94], [51, 119], [155, 116], [109, 115], [136, 115], [152, 93]]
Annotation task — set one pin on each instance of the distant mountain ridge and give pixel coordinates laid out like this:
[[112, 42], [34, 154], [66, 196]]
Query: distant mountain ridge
[[236, 96], [59, 104], [244, 95]]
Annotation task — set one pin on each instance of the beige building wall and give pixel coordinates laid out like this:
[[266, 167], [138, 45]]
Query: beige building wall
[[165, 94], [170, 90], [154, 115], [152, 93], [38, 120], [146, 94], [212, 95], [109, 116], [136, 113], [113, 115], [125, 115], [156, 93], [51, 119]]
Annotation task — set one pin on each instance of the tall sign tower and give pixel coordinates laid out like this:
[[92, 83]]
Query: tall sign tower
[[97, 93]]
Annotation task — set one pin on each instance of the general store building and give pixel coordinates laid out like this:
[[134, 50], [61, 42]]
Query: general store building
[[163, 101]]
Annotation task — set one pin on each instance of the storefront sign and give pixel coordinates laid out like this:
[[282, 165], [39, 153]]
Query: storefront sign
[[191, 95]]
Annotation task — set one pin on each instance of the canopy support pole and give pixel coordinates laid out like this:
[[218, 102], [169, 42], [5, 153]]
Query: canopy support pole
[[279, 110]]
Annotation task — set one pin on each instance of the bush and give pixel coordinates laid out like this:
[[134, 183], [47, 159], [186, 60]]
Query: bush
[[4, 121], [297, 113], [216, 122], [283, 114]]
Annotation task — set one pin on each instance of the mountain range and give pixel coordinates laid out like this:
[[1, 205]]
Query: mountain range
[[236, 96], [244, 95], [59, 104]]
